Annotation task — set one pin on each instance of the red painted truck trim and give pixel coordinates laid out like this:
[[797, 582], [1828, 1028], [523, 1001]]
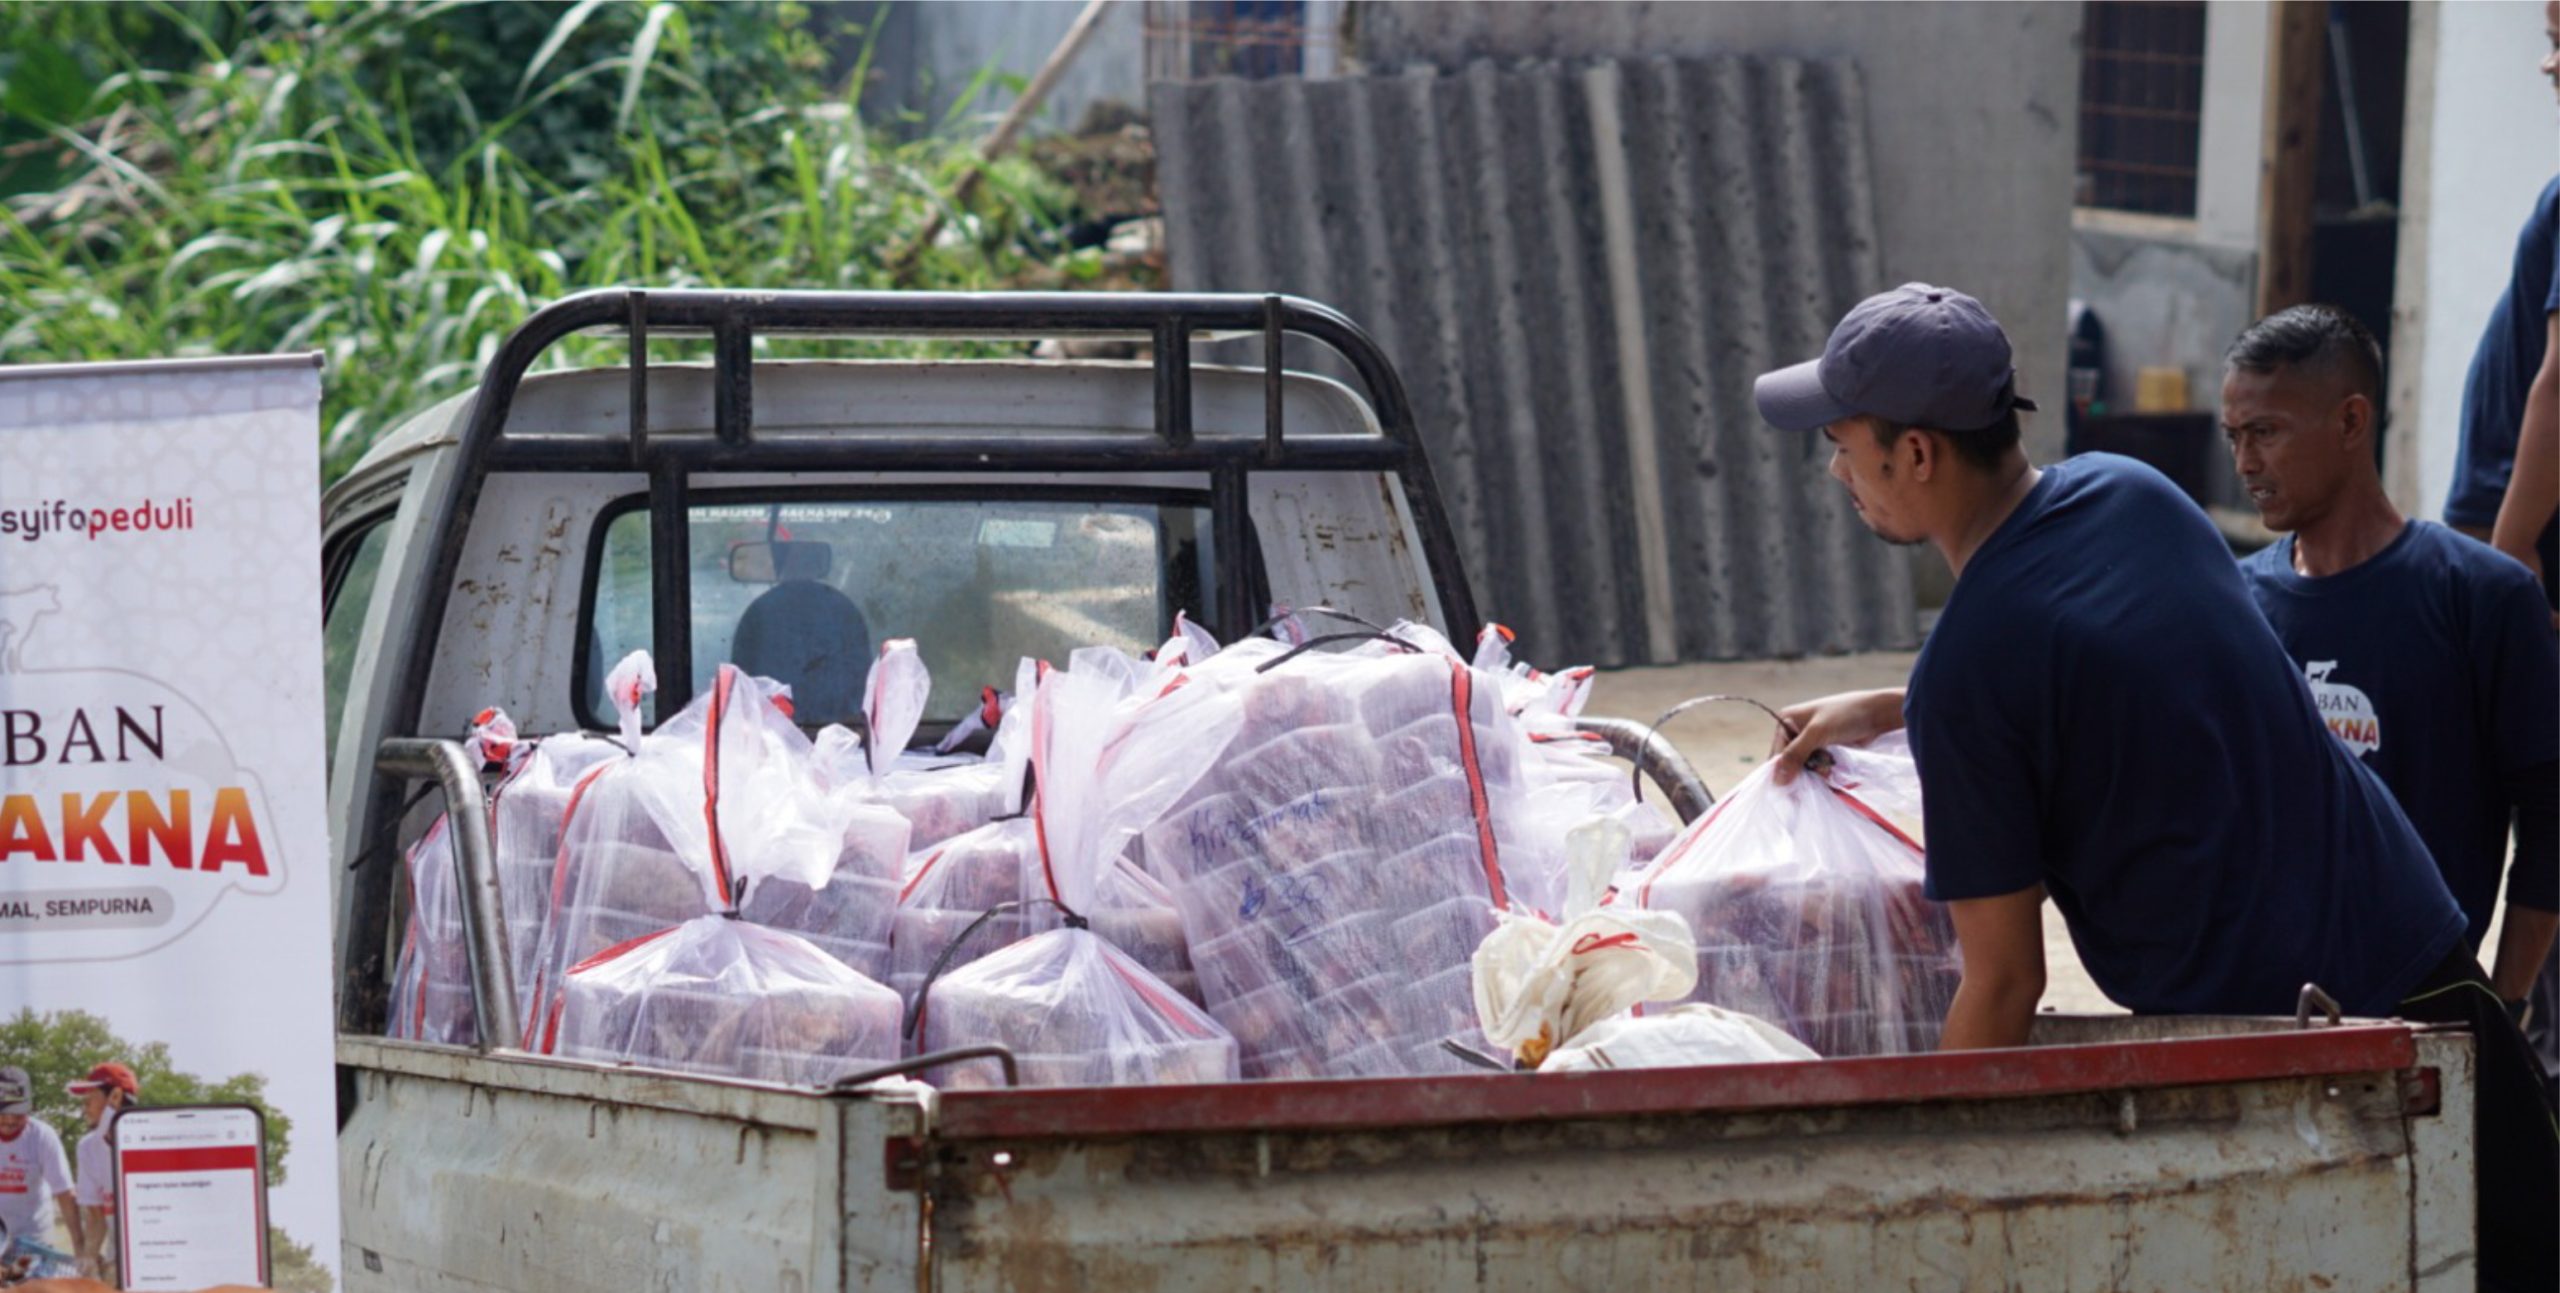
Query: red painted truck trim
[[1373, 1103]]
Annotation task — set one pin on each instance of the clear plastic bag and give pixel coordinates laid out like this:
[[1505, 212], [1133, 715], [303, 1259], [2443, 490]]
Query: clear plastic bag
[[718, 808], [431, 982], [1807, 906], [726, 997], [431, 979], [942, 795], [948, 889], [1571, 777], [1337, 866], [525, 811], [850, 915], [723, 793], [1111, 749]]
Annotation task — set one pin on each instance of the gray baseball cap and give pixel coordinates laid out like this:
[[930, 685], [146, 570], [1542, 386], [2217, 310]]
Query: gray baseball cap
[[1918, 355], [17, 1094]]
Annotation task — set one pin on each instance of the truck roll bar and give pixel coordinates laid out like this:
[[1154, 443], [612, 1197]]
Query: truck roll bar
[[1169, 321]]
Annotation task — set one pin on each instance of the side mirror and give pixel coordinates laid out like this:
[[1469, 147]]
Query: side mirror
[[781, 562]]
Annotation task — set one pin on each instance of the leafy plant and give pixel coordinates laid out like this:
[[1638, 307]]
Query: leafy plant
[[400, 184], [59, 1047]]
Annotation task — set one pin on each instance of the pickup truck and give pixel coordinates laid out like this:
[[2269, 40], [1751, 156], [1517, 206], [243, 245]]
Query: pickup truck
[[500, 547]]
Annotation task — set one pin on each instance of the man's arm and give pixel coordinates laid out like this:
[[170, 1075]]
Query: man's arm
[[68, 1208], [2533, 882], [2003, 943], [2533, 486]]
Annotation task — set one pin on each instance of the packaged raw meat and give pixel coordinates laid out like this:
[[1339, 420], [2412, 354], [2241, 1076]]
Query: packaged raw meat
[[431, 981], [851, 913], [720, 803], [1806, 903], [1111, 747], [1571, 776], [723, 793], [1337, 866], [942, 795], [948, 889], [727, 997]]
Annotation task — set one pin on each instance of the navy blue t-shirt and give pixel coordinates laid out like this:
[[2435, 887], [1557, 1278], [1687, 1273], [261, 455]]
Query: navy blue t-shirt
[[2502, 370], [2102, 710], [2435, 663]]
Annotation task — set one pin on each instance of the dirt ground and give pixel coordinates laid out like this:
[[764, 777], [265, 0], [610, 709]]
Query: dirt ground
[[1724, 742]]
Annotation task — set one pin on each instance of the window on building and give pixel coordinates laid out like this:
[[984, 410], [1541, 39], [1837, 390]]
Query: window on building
[[1189, 40], [2141, 105]]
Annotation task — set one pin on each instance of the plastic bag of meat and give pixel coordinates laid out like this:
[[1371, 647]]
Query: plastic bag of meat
[[726, 997], [431, 981], [1110, 751], [722, 793], [1806, 902], [850, 914], [529, 803], [942, 795], [1571, 777], [1338, 865], [720, 802]]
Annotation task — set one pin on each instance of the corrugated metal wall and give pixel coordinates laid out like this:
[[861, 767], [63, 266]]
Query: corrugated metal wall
[[1579, 271]]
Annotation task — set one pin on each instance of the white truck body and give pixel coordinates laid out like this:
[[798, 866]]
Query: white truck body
[[2116, 1153]]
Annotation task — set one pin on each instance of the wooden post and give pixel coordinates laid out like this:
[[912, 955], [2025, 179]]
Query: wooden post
[[2289, 150]]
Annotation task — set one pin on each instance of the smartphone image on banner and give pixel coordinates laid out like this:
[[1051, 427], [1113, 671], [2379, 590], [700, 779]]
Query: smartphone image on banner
[[191, 1196]]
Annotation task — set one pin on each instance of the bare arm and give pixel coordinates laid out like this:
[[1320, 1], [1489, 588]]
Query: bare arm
[[2524, 939], [2003, 943], [2533, 879], [1850, 718], [2533, 488]]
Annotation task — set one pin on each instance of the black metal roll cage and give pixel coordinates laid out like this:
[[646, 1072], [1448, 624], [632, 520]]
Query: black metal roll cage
[[733, 319]]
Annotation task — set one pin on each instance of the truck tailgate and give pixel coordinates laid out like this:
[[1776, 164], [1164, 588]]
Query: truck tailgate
[[2278, 1161]]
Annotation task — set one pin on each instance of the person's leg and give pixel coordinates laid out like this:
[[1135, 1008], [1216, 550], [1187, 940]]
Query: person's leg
[[2516, 1133]]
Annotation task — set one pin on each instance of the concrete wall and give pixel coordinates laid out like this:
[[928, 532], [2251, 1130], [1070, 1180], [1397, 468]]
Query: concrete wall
[[929, 50], [2166, 298], [2173, 292], [1972, 110], [2229, 138], [2481, 140]]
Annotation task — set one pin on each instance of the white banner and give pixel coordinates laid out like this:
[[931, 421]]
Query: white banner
[[164, 886]]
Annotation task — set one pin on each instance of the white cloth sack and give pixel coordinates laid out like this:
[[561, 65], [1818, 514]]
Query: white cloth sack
[[1681, 1037]]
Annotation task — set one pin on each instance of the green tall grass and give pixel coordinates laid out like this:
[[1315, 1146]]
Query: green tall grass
[[399, 184]]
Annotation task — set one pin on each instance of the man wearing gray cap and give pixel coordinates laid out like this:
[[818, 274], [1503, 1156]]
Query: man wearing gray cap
[[35, 1175], [2100, 715]]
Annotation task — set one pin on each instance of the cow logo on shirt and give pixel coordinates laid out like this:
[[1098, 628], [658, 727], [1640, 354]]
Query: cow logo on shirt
[[2347, 710]]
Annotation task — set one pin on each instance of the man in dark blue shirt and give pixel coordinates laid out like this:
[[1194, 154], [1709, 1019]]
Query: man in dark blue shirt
[[2100, 714], [2433, 658], [2431, 655], [2513, 352]]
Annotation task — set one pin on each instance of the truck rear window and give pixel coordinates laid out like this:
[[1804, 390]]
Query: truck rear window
[[804, 587]]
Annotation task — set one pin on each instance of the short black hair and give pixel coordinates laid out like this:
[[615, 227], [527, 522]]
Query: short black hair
[[2313, 339], [1983, 447]]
